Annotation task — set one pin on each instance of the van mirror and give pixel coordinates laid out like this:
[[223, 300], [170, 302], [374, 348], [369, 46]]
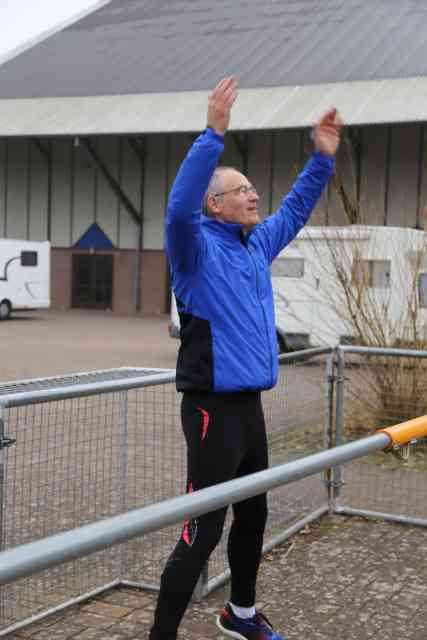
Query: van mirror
[[29, 258]]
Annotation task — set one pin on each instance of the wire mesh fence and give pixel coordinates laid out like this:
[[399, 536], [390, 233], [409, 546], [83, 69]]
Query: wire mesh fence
[[80, 459], [379, 391], [156, 471], [65, 470]]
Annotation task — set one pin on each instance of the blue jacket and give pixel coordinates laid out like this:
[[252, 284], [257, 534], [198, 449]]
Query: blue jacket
[[221, 280]]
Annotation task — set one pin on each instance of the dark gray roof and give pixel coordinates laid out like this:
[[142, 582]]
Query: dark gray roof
[[145, 46]]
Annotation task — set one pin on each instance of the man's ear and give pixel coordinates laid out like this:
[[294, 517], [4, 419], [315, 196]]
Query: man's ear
[[212, 203]]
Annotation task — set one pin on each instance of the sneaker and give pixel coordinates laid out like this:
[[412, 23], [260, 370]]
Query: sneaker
[[256, 628]]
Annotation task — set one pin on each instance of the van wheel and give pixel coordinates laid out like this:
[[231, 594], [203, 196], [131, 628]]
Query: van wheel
[[5, 310], [281, 343]]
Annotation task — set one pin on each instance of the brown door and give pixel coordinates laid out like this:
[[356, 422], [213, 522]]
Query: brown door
[[92, 281]]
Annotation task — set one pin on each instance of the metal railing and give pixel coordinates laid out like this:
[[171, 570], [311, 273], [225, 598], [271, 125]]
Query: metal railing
[[55, 550]]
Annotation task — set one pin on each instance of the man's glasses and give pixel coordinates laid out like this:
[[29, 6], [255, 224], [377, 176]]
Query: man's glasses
[[243, 190]]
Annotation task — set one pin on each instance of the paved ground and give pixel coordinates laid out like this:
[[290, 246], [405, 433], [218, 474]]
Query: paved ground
[[344, 578], [50, 343]]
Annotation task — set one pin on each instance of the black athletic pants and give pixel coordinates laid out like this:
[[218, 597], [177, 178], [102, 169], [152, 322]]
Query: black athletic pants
[[226, 439]]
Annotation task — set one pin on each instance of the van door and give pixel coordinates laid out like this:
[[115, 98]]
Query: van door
[[292, 300]]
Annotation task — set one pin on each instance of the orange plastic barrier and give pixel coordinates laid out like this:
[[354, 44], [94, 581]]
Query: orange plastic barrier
[[406, 431]]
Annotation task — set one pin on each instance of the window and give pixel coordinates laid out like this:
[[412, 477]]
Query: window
[[288, 268], [29, 258], [372, 273], [422, 289]]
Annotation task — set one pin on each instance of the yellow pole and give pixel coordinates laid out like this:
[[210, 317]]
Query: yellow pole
[[406, 431]]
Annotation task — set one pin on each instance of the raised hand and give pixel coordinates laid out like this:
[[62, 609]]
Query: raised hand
[[219, 104], [327, 133]]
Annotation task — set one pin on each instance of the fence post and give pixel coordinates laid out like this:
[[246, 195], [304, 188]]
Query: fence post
[[201, 588], [124, 467], [328, 429], [2, 499], [339, 419]]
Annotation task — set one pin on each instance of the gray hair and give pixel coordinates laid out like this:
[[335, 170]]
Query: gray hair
[[215, 186]]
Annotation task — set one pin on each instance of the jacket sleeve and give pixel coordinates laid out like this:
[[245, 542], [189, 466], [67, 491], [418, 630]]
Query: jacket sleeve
[[183, 235], [278, 230]]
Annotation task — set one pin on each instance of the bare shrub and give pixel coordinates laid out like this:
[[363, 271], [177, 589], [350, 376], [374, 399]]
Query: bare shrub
[[379, 308]]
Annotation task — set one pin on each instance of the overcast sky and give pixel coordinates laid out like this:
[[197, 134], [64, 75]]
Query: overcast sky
[[26, 22]]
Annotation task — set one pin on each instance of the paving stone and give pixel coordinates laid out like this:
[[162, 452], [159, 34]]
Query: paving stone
[[98, 634], [107, 609], [127, 597], [87, 619], [127, 628], [58, 631], [141, 616]]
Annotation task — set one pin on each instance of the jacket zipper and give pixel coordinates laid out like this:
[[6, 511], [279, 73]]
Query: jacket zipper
[[264, 316]]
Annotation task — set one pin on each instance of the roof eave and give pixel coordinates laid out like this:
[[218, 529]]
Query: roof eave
[[360, 103]]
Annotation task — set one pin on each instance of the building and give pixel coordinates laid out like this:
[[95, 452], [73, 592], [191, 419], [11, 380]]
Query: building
[[95, 120]]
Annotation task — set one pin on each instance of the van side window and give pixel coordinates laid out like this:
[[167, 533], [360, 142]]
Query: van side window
[[288, 268], [29, 258], [374, 274], [422, 289]]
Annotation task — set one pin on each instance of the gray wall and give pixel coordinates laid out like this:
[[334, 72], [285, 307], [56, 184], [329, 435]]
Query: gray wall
[[389, 171]]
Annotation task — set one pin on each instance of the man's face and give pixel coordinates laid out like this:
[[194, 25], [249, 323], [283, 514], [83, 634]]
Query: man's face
[[237, 202]]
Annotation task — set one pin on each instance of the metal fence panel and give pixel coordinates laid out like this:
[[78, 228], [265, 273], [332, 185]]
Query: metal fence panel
[[78, 460], [65, 470], [382, 390]]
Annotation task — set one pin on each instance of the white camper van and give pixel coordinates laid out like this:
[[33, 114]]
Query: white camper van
[[24, 276], [330, 278]]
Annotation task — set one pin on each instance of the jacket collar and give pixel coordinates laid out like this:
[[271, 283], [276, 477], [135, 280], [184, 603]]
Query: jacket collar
[[225, 230]]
